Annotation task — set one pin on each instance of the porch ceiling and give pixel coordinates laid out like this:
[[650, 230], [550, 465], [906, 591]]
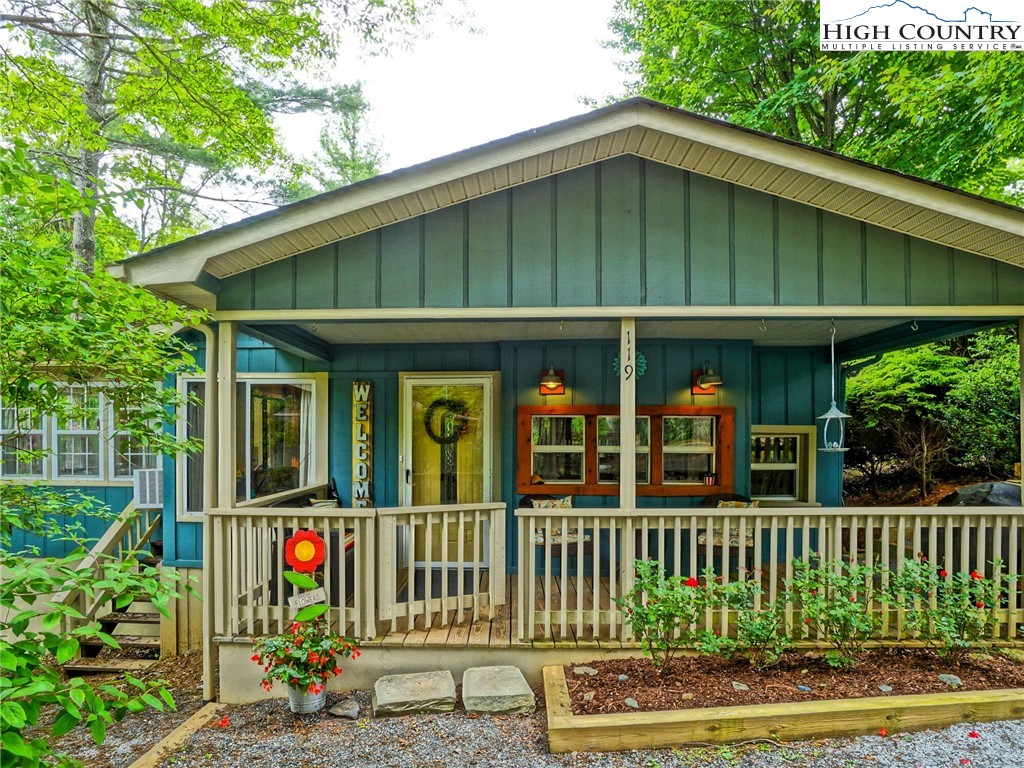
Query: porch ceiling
[[788, 332]]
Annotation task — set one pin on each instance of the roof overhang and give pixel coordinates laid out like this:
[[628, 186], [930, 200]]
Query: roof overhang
[[188, 270]]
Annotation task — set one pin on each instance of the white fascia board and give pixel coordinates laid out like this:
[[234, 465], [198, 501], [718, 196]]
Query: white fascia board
[[837, 169]]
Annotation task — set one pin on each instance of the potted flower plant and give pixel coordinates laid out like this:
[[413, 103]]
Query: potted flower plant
[[305, 657]]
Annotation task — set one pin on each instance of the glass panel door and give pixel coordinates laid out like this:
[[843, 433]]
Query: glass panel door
[[446, 446]]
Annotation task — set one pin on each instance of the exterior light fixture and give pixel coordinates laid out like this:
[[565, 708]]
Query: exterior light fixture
[[833, 432], [704, 381], [552, 382]]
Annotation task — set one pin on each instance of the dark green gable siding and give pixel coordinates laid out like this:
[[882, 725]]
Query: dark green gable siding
[[626, 232]]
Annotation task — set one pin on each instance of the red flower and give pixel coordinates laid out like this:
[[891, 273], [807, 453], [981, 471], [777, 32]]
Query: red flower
[[355, 654], [973, 735], [976, 576], [313, 657], [255, 657], [266, 685], [692, 582], [224, 722], [807, 621], [883, 731], [942, 573], [336, 670], [304, 551], [980, 604], [965, 761], [294, 680]]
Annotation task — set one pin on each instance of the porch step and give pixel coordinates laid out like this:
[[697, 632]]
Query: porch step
[[100, 666], [418, 693], [129, 617], [497, 690], [127, 641]]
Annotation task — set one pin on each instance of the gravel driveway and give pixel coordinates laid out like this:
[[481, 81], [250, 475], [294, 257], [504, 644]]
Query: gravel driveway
[[266, 735]]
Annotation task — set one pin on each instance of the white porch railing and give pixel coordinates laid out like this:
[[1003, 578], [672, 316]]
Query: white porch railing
[[435, 559], [249, 591], [572, 566]]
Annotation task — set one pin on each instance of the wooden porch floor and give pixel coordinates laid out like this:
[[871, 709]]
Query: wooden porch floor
[[496, 630]]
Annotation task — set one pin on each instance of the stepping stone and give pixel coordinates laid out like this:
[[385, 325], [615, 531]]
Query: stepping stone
[[740, 686], [632, 703], [951, 680], [584, 671], [420, 693], [885, 688], [497, 690]]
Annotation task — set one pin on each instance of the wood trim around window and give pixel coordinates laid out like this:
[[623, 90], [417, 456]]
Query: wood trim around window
[[725, 450]]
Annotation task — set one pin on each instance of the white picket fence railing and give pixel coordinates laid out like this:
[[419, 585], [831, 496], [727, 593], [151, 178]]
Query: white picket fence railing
[[573, 565]]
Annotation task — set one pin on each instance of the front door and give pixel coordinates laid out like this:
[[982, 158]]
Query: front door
[[446, 445]]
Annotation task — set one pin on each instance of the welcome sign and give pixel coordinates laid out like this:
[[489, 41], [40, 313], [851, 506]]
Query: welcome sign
[[362, 444], [922, 25]]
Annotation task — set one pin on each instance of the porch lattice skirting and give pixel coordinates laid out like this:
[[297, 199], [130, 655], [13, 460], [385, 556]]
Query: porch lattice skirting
[[414, 568]]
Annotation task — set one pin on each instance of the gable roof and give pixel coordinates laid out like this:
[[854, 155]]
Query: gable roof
[[639, 127]]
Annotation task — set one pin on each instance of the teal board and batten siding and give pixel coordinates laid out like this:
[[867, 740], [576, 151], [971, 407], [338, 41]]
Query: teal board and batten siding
[[626, 232], [791, 386], [113, 498]]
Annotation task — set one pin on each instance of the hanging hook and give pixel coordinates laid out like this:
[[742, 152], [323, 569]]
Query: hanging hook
[[762, 327], [832, 329], [913, 325]]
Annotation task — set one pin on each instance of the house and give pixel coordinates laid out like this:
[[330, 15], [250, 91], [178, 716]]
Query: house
[[634, 308]]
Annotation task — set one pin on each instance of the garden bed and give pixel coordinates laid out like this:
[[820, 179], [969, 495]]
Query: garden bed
[[771, 705]]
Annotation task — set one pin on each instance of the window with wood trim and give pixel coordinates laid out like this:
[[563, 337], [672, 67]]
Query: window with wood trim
[[782, 464], [681, 450]]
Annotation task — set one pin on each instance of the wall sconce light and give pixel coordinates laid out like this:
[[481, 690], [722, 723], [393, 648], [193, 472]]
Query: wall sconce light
[[552, 382], [703, 382]]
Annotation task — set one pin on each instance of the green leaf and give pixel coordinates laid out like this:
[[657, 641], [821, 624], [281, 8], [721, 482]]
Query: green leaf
[[153, 701], [300, 580], [13, 714], [311, 612], [67, 650], [65, 722], [15, 744], [99, 730]]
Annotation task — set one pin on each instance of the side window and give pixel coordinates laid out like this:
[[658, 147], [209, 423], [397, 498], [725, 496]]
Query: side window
[[782, 464]]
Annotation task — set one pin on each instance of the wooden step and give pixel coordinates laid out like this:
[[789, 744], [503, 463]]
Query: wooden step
[[99, 666], [130, 617], [128, 641]]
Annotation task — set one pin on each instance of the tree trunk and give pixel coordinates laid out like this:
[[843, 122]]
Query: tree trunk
[[96, 51]]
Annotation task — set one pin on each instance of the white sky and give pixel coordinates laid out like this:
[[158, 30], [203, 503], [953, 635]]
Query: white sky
[[527, 64]]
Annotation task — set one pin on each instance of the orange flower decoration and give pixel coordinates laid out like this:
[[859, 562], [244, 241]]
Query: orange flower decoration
[[304, 551]]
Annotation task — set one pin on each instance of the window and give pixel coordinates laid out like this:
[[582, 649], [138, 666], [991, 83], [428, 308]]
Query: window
[[782, 464], [278, 446], [83, 446], [680, 450]]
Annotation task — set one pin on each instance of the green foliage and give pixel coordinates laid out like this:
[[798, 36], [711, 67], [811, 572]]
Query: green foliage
[[834, 600], [982, 408], [950, 117], [306, 656], [34, 636], [665, 612], [62, 326], [965, 610], [761, 636]]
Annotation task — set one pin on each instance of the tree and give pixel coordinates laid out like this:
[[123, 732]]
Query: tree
[[982, 409], [903, 396], [168, 99], [63, 326], [345, 155], [949, 117]]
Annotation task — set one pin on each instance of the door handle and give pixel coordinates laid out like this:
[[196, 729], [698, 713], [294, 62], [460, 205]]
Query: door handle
[[408, 477]]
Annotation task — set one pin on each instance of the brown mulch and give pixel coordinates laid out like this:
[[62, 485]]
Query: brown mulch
[[704, 681]]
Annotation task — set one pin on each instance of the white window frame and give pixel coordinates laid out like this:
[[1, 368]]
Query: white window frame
[[51, 432], [41, 432], [805, 465], [319, 442], [700, 450]]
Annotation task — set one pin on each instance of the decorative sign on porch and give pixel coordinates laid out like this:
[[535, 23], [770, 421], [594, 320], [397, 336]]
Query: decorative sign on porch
[[310, 597], [362, 444]]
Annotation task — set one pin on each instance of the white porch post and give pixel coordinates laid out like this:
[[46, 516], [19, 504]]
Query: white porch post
[[227, 364], [627, 415], [209, 502]]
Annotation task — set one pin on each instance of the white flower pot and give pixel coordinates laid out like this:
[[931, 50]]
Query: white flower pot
[[302, 701]]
